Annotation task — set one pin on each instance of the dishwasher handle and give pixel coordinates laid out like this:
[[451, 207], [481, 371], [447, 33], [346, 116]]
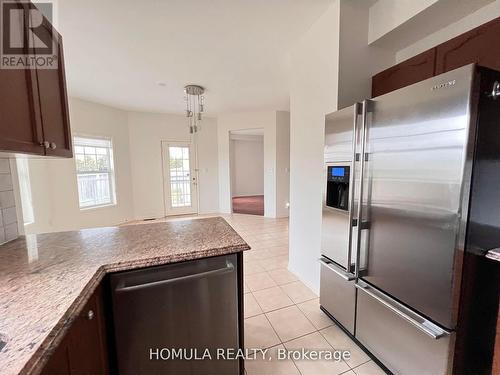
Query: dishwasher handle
[[229, 268]]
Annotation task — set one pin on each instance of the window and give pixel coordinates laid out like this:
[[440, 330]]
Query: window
[[94, 170]]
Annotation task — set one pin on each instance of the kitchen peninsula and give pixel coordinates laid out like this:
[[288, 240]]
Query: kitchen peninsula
[[47, 282]]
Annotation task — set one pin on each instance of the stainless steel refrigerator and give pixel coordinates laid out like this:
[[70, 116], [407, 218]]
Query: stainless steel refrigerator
[[391, 267]]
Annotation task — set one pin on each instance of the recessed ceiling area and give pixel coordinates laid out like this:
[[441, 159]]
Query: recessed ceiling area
[[117, 52]]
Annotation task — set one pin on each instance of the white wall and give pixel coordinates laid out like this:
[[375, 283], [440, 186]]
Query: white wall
[[247, 120], [53, 181], [387, 15], [247, 165], [358, 61], [313, 93], [146, 131], [282, 163], [208, 165], [137, 158]]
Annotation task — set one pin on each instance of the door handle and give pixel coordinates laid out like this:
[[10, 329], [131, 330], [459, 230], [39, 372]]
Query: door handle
[[347, 276], [427, 327], [229, 268]]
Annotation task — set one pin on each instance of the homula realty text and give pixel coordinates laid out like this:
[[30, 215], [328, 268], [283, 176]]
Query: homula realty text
[[170, 354]]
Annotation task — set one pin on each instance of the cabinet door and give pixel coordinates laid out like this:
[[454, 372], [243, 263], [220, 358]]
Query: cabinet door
[[54, 99], [58, 363], [87, 344], [403, 74], [479, 45], [20, 123]]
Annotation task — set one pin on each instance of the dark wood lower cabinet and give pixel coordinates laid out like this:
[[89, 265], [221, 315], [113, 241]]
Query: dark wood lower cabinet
[[58, 363], [83, 351]]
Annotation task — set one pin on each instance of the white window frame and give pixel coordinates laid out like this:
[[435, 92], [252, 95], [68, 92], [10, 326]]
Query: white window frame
[[111, 172]]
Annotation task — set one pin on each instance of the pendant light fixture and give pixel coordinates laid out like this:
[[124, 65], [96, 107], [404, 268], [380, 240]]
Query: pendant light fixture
[[195, 106]]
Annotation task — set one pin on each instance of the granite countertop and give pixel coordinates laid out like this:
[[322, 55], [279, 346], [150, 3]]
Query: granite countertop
[[46, 279]]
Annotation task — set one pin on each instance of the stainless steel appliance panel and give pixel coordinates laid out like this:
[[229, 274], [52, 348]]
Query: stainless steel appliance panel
[[189, 305], [339, 151], [338, 293], [414, 181], [339, 135], [396, 341]]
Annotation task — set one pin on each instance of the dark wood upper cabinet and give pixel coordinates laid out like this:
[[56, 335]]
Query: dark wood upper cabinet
[[34, 116], [480, 45], [406, 73], [20, 122], [54, 99]]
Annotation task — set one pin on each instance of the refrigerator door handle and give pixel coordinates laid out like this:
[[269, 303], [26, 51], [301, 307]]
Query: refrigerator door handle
[[427, 327], [363, 158], [347, 276], [352, 183]]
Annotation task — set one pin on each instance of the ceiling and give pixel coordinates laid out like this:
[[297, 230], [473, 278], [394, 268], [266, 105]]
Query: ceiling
[[117, 51]]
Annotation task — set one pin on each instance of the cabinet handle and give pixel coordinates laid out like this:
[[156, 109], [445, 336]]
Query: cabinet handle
[[45, 144], [53, 146], [90, 315]]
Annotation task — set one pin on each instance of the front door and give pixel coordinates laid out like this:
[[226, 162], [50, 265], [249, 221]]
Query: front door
[[180, 180]]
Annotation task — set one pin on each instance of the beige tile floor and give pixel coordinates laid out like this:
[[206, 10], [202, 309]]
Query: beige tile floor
[[282, 312]]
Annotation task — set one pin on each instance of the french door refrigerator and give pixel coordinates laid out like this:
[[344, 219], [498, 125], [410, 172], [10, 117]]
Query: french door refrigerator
[[425, 168]]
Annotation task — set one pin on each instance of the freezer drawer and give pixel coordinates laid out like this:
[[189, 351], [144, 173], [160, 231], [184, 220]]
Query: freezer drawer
[[400, 339], [338, 294]]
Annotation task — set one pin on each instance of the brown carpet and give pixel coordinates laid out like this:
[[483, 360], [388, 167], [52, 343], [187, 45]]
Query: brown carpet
[[251, 205]]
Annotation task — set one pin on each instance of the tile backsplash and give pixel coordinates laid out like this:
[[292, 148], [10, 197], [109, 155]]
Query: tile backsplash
[[8, 213]]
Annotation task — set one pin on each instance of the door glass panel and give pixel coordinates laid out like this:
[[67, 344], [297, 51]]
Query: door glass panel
[[180, 176]]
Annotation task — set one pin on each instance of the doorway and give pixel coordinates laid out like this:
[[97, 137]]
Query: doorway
[[247, 171], [179, 178]]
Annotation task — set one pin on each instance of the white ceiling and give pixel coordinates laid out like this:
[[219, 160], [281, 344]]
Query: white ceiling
[[116, 51]]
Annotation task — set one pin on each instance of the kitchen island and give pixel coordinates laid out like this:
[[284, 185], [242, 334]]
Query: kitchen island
[[47, 279]]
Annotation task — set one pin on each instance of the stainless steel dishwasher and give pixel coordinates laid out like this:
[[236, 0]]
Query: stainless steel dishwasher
[[177, 310]]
